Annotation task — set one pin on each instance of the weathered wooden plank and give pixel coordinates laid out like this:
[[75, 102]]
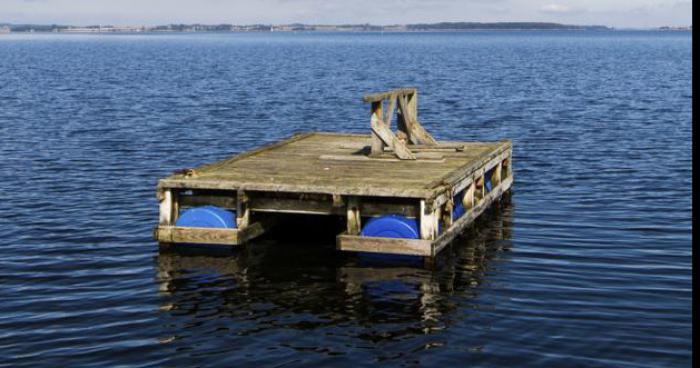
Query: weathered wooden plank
[[416, 247], [438, 147], [297, 167], [368, 207], [427, 157], [387, 136], [416, 133], [173, 234], [243, 155], [200, 235], [387, 95], [358, 190], [219, 200], [469, 216], [377, 143]]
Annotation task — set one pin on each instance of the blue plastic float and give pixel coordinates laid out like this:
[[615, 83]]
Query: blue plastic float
[[458, 209], [391, 226], [487, 180], [207, 216]]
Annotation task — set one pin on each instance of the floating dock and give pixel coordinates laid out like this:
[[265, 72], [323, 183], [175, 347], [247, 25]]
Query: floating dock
[[401, 192]]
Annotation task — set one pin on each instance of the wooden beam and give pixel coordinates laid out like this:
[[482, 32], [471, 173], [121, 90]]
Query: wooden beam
[[354, 243], [377, 143], [225, 200], [367, 208], [416, 133], [387, 136], [200, 235], [387, 95]]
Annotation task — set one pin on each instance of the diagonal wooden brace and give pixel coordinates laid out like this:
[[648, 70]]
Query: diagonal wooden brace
[[382, 131], [415, 132]]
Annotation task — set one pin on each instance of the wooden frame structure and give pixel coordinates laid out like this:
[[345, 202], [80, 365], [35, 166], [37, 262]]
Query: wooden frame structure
[[354, 176]]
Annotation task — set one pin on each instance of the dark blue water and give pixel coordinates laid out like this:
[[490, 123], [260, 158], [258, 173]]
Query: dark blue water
[[589, 265]]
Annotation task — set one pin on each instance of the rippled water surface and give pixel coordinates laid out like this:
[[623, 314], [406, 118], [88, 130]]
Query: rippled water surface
[[589, 265]]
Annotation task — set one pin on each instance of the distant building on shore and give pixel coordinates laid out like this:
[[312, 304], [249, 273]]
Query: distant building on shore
[[667, 28]]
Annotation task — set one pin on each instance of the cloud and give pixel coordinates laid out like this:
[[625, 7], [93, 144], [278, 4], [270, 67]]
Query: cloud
[[557, 9]]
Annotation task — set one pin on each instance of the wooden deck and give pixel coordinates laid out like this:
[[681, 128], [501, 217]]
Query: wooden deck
[[349, 175], [338, 164]]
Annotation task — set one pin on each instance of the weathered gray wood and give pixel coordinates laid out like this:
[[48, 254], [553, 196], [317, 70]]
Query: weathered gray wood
[[389, 139], [424, 157], [387, 95], [198, 235], [497, 171], [469, 216], [196, 200], [390, 113], [356, 243], [297, 168], [429, 148], [416, 133], [166, 207], [368, 208], [421, 247], [377, 143]]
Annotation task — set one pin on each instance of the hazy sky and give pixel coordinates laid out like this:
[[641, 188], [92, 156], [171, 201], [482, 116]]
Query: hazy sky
[[616, 13]]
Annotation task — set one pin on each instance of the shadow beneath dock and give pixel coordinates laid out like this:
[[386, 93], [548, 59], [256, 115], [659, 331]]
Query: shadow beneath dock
[[274, 286]]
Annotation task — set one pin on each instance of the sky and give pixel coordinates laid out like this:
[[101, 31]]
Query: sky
[[615, 13]]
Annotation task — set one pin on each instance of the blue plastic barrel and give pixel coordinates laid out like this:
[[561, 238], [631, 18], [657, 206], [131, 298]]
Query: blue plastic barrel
[[487, 180], [392, 226], [458, 209], [207, 216]]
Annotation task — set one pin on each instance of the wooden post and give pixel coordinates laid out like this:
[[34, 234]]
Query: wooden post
[[412, 104], [479, 188], [447, 212], [468, 199], [377, 143], [496, 177], [166, 208], [354, 224], [242, 210], [429, 218]]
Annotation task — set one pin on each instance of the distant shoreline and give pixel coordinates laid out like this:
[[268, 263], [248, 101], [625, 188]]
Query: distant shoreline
[[298, 27]]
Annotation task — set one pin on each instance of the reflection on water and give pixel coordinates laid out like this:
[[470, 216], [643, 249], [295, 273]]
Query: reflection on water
[[220, 301]]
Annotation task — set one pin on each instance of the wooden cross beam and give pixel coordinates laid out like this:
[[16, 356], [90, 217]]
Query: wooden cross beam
[[410, 132]]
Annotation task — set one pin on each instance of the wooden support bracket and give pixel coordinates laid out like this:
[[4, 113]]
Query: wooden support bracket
[[410, 132]]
